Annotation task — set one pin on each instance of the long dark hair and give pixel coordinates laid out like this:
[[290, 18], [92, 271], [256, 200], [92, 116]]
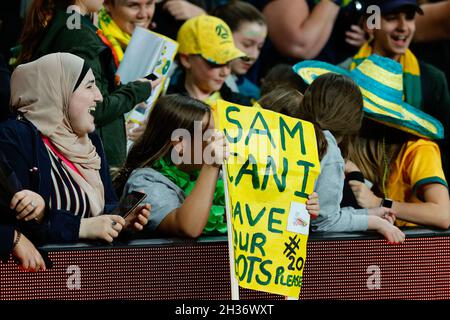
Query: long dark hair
[[171, 112], [333, 102], [39, 17]]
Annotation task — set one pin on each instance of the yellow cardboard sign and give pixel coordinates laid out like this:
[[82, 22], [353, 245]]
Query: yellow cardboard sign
[[270, 173]]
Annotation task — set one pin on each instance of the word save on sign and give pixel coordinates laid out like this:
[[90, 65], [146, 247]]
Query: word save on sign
[[270, 173]]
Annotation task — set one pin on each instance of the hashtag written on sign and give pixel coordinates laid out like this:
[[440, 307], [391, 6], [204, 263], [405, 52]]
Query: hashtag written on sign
[[291, 247]]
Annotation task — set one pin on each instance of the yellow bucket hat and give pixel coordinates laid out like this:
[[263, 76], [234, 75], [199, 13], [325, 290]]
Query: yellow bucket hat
[[381, 82], [209, 37]]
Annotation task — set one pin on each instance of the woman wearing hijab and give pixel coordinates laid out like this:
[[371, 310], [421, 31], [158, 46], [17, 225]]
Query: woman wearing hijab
[[52, 149]]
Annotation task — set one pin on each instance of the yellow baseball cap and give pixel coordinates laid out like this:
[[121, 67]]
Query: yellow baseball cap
[[209, 37]]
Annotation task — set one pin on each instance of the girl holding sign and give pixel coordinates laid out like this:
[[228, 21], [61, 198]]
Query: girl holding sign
[[176, 163], [167, 163]]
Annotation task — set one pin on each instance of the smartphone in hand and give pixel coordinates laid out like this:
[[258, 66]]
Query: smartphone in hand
[[151, 77], [129, 203]]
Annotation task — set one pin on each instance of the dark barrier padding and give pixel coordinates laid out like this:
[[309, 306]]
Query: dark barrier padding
[[338, 266]]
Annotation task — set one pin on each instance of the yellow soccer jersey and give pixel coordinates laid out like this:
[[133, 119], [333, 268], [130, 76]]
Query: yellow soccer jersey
[[418, 163]]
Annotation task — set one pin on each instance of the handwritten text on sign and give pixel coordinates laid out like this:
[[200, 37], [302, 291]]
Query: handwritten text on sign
[[271, 171]]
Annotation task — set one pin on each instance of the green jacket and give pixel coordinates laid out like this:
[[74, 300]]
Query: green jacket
[[85, 43]]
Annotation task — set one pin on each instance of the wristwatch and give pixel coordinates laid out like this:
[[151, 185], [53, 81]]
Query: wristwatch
[[387, 203]]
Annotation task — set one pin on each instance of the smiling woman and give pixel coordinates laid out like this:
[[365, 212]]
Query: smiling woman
[[118, 19], [130, 13], [83, 102], [52, 133]]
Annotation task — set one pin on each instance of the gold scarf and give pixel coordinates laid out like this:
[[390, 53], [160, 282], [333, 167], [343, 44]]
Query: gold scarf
[[118, 38]]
